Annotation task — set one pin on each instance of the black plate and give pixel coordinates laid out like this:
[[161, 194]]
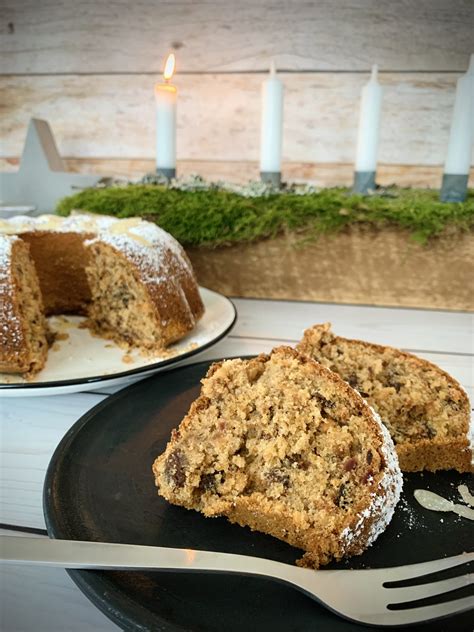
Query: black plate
[[99, 487]]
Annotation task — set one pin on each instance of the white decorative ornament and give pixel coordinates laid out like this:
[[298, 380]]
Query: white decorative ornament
[[42, 179]]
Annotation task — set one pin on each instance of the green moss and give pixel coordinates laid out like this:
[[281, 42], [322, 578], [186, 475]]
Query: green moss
[[216, 217]]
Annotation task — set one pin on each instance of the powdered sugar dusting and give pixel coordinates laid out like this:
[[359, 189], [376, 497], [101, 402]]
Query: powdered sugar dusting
[[160, 238], [151, 264], [5, 255], [411, 518], [470, 429], [157, 260], [385, 499], [78, 222], [14, 224], [146, 242], [132, 234], [10, 330]]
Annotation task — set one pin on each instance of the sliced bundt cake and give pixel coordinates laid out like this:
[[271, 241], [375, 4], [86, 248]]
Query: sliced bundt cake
[[132, 279], [23, 328], [282, 445], [426, 411]]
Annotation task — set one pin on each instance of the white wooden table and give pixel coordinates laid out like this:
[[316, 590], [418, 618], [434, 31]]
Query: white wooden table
[[46, 599]]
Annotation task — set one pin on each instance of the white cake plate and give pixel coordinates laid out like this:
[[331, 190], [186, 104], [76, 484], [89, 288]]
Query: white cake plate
[[79, 361]]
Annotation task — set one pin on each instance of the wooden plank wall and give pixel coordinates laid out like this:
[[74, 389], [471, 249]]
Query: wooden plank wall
[[89, 68]]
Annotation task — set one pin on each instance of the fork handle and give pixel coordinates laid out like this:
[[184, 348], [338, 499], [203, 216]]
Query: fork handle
[[76, 554]]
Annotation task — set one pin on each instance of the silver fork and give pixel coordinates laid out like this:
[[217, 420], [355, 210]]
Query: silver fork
[[358, 595]]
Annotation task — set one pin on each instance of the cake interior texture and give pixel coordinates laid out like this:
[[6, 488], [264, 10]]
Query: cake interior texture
[[60, 260], [282, 445], [121, 306], [426, 411], [24, 343]]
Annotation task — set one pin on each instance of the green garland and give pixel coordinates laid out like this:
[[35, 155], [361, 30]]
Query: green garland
[[216, 216]]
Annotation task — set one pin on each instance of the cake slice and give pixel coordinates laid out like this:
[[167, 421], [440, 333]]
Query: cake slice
[[144, 293], [282, 445], [23, 328], [426, 411]]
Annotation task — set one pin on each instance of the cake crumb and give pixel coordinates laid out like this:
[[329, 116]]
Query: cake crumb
[[411, 518]]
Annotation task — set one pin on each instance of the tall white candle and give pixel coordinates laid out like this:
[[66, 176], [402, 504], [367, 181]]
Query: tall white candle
[[166, 96], [369, 125], [271, 131], [461, 136]]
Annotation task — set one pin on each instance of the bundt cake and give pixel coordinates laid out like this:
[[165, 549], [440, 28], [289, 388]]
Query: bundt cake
[[23, 328], [131, 278], [283, 445], [426, 411]]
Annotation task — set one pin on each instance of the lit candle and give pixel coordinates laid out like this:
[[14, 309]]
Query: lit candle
[[271, 131], [458, 159], [166, 96], [368, 135]]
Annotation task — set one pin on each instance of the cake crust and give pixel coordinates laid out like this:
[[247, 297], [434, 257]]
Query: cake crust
[[265, 446], [23, 329]]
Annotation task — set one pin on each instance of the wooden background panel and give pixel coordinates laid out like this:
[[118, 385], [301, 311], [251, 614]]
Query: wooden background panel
[[51, 36], [219, 116]]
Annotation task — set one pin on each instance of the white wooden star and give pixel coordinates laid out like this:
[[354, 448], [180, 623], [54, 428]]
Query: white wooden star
[[42, 179]]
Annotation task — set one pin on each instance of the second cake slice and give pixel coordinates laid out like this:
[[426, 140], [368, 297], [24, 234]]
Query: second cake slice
[[426, 411], [282, 445]]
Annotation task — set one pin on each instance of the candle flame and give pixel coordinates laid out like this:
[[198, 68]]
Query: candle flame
[[169, 67], [374, 73]]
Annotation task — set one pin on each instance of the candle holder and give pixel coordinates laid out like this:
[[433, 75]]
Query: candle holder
[[168, 173], [271, 177], [364, 181], [454, 188]]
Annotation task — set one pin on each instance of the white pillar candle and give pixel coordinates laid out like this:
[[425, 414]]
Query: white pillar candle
[[166, 96], [461, 136], [369, 125], [271, 131]]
